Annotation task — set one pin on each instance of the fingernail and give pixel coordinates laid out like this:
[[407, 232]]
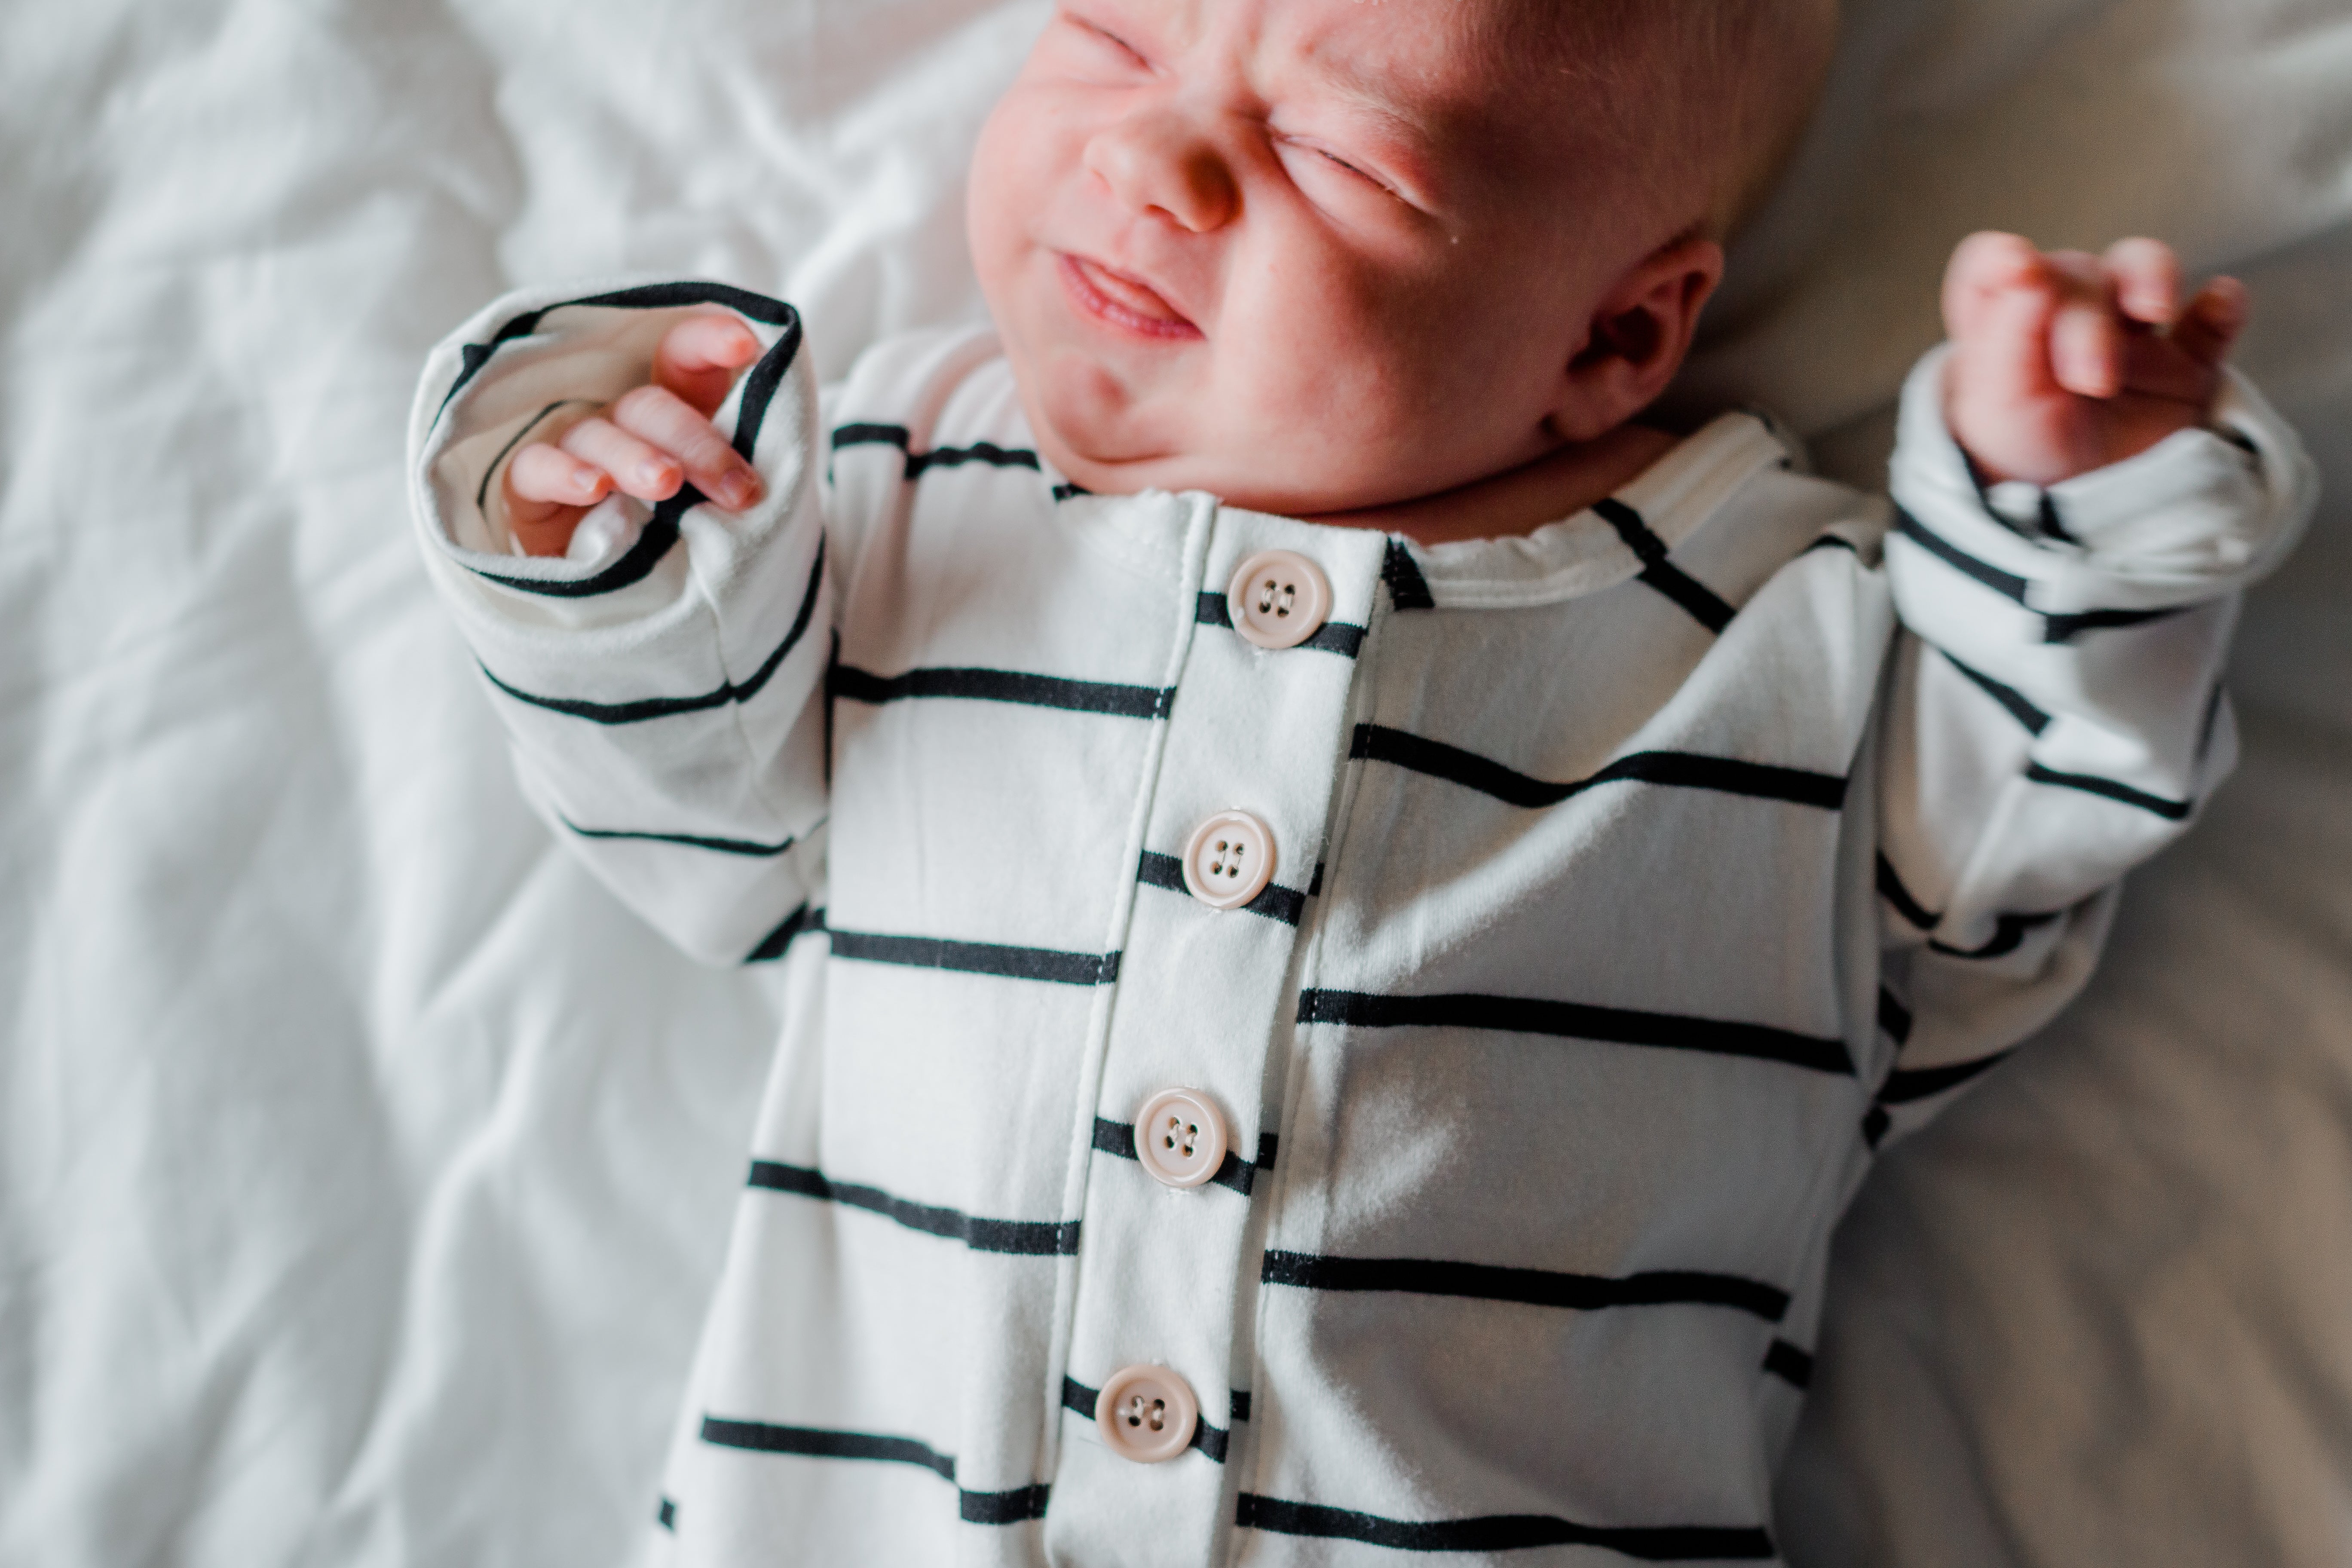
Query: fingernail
[[585, 477], [654, 474]]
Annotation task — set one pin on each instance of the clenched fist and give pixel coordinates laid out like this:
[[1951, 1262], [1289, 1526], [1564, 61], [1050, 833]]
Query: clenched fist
[[646, 443], [2068, 362]]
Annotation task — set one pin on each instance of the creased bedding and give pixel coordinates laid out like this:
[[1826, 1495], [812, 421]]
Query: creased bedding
[[363, 1167]]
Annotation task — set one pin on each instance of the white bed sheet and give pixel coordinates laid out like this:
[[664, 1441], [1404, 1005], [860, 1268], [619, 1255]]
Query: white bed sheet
[[362, 1167]]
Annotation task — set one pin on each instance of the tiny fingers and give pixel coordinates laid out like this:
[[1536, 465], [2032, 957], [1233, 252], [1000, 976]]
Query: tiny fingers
[[2145, 275], [2208, 328], [2085, 334], [667, 422], [698, 359], [1986, 267], [547, 491], [637, 466], [550, 475]]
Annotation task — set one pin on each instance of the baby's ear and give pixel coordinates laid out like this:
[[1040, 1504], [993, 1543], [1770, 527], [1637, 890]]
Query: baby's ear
[[1636, 338]]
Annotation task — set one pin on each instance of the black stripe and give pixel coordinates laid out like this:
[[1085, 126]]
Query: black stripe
[[1408, 589], [2019, 707], [692, 841], [1015, 1507], [1701, 603], [2008, 934], [1003, 686], [635, 564], [1274, 903], [1066, 492], [649, 708], [759, 391], [2052, 525], [1118, 1138], [2066, 629], [871, 436], [820, 1443], [1336, 637], [1894, 1017], [1211, 1442], [1911, 1084], [2056, 628], [801, 921], [983, 452], [661, 532], [1891, 889], [666, 1515], [817, 1443], [1241, 1405], [1680, 770], [1833, 541], [1875, 1123], [1790, 1364], [919, 463], [1573, 1020], [482, 491], [2007, 585], [1044, 963], [2171, 810], [1022, 1237], [1532, 1287], [1502, 1532], [1164, 871], [2008, 931]]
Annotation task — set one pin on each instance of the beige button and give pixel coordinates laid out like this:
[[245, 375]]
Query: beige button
[[1179, 1137], [1147, 1414], [1229, 860], [1278, 599]]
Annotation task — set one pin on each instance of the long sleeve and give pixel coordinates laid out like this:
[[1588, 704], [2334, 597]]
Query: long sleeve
[[663, 686], [2056, 712]]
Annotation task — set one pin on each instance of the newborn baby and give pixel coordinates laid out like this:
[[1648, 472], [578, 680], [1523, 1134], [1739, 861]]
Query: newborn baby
[[1347, 914]]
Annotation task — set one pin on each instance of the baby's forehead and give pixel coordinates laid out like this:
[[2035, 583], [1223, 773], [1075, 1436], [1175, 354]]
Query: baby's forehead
[[1493, 73], [1678, 95]]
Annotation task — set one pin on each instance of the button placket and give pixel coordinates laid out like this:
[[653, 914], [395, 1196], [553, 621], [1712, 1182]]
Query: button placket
[[1255, 748]]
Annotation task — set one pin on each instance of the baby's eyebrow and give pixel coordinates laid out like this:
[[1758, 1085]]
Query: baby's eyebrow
[[1415, 132], [1373, 93]]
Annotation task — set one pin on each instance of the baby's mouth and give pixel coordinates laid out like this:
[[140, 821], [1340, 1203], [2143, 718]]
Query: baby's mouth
[[1122, 301]]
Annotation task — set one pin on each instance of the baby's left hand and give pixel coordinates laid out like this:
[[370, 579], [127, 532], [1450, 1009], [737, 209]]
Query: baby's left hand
[[2068, 362]]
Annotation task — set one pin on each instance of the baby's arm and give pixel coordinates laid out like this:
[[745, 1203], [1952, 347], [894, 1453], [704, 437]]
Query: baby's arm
[[2084, 489], [661, 675]]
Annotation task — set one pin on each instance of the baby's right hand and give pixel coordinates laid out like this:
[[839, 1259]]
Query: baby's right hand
[[646, 443]]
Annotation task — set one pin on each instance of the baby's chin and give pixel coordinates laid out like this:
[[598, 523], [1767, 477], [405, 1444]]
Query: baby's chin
[[1093, 428]]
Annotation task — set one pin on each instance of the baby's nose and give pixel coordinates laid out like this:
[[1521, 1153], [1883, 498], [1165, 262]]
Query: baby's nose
[[1157, 162]]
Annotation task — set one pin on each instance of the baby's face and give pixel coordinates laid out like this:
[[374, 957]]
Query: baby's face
[[1309, 255]]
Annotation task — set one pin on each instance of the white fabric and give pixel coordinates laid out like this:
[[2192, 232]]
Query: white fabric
[[322, 1180], [1599, 960]]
